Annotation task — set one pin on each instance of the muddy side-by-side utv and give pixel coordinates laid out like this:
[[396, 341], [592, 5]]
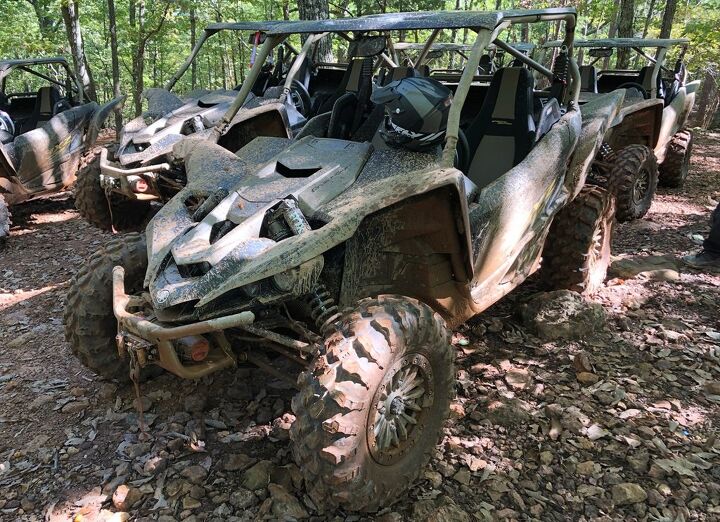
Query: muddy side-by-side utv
[[354, 248], [648, 143], [120, 187], [46, 125]]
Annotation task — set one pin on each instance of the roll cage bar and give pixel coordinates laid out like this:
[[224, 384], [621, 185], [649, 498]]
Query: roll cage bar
[[487, 25], [636, 44], [211, 30], [8, 66]]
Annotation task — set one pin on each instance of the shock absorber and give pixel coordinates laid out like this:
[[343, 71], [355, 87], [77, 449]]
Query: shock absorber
[[561, 66], [323, 309]]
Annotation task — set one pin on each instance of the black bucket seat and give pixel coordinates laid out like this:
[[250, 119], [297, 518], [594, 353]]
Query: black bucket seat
[[503, 132]]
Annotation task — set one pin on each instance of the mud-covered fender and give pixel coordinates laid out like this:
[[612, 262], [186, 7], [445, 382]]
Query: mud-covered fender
[[598, 116], [675, 116], [99, 118]]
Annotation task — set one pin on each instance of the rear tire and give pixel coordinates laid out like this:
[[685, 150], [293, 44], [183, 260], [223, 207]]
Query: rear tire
[[5, 217], [90, 325], [576, 254], [633, 180], [100, 210], [676, 165], [381, 358]]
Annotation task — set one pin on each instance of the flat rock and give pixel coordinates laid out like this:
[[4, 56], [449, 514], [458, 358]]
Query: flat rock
[[76, 406], [285, 505], [243, 498], [195, 474], [628, 493], [258, 476], [238, 462], [654, 268], [562, 315], [507, 413], [518, 378], [587, 378]]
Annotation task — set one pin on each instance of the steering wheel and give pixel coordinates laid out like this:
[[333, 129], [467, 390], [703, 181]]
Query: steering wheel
[[300, 97], [6, 123], [637, 86]]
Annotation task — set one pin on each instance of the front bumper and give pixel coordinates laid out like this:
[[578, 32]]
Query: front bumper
[[126, 181], [137, 329]]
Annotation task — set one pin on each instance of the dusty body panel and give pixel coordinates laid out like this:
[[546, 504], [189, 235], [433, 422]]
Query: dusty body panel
[[45, 158], [597, 118]]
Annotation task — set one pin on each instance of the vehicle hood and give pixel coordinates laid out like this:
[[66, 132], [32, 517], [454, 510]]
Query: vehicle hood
[[336, 184], [168, 120]]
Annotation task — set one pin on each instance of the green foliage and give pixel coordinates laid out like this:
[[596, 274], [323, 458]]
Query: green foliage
[[35, 28]]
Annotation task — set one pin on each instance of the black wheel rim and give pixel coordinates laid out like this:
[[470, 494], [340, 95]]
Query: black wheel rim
[[397, 415], [641, 188]]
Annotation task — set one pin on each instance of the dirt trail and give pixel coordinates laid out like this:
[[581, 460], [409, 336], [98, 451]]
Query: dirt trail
[[620, 425]]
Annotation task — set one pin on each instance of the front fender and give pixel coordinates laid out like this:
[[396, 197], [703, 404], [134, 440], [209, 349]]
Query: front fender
[[597, 118], [348, 212], [99, 119]]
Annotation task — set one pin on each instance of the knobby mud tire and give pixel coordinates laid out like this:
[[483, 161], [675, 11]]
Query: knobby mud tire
[[632, 165], [334, 407], [120, 213], [576, 254], [90, 325], [676, 165], [5, 219]]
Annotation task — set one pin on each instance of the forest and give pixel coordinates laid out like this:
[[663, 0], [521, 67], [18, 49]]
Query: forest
[[148, 40]]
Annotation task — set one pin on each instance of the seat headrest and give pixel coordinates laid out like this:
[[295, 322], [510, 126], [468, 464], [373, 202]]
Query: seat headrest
[[588, 78], [505, 86], [46, 99], [485, 64], [398, 73], [645, 79]]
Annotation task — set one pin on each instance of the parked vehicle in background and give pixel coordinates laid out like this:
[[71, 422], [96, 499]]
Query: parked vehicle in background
[[47, 123], [119, 187], [648, 143]]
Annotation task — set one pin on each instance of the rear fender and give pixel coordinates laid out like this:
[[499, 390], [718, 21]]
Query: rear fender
[[99, 118]]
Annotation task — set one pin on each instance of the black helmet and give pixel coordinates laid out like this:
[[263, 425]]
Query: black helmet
[[416, 112]]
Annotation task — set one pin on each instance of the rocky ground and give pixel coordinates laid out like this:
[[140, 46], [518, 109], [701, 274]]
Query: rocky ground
[[565, 409]]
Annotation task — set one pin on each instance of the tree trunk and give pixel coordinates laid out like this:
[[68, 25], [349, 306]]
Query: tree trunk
[[649, 16], [193, 40], [668, 17], [47, 23], [72, 26], [317, 10], [708, 103], [138, 18], [612, 31], [112, 28], [625, 30]]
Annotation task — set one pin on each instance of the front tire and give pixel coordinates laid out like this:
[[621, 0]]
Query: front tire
[[676, 165], [633, 181], [576, 254], [371, 407], [112, 212], [90, 325]]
